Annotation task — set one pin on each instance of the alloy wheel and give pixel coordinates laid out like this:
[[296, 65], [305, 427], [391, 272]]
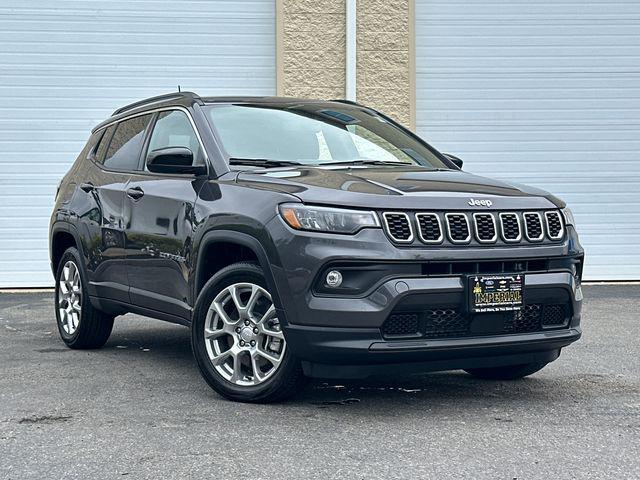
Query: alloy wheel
[[243, 335], [70, 297]]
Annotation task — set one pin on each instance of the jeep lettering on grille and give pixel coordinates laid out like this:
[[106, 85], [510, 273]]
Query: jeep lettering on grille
[[480, 203]]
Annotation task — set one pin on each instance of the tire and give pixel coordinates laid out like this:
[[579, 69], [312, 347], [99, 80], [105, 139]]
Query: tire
[[510, 372], [244, 356], [80, 325]]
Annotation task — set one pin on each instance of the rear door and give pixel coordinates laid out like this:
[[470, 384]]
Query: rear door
[[100, 220], [159, 215]]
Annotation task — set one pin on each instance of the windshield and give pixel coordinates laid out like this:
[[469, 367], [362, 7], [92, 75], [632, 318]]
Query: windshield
[[314, 134]]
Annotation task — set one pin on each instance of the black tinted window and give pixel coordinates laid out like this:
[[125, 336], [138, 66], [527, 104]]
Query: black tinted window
[[104, 143], [124, 150]]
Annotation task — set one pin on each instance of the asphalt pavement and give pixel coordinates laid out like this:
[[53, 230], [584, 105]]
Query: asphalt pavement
[[138, 408]]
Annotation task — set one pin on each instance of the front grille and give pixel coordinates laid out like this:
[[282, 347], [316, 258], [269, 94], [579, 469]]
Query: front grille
[[486, 231], [510, 224], [451, 322], [525, 320], [458, 227], [444, 322], [404, 324], [555, 230], [477, 228], [429, 227], [398, 226], [555, 315], [533, 226]]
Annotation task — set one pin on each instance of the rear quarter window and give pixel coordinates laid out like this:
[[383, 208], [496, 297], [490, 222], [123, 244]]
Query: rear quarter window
[[101, 150], [125, 146]]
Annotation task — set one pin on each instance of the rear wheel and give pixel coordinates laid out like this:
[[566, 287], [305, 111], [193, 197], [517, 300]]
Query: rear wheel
[[238, 341], [80, 325], [511, 372]]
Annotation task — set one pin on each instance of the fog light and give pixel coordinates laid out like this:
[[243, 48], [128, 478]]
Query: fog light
[[334, 279]]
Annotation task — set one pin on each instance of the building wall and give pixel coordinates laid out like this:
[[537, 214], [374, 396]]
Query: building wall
[[65, 66], [311, 48], [547, 95], [385, 57], [311, 53]]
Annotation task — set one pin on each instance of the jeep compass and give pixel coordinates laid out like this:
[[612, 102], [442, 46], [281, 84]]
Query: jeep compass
[[303, 238]]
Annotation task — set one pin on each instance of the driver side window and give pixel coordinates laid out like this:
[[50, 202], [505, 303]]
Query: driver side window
[[173, 129]]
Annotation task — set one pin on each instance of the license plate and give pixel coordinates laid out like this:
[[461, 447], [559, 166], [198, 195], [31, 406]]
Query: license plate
[[495, 293]]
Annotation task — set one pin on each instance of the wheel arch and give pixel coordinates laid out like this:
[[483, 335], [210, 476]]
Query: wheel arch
[[63, 236], [241, 240], [64, 230]]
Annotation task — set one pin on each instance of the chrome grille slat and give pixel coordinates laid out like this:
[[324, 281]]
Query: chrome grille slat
[[485, 227], [555, 227], [533, 228], [510, 227], [458, 227], [429, 227], [398, 226]]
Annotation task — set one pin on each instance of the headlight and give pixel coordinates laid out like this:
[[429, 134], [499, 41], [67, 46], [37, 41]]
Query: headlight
[[326, 219], [568, 216]]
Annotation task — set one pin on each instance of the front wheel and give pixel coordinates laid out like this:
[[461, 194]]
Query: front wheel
[[237, 339], [510, 372]]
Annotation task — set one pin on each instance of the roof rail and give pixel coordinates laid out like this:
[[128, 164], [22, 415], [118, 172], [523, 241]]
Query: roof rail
[[159, 98], [349, 102]]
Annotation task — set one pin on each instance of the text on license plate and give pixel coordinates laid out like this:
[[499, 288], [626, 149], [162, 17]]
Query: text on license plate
[[496, 293]]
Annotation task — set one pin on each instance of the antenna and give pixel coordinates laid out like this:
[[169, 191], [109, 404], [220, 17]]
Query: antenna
[[179, 89]]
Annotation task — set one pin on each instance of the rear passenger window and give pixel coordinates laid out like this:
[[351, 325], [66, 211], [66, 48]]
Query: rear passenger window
[[124, 149], [104, 143]]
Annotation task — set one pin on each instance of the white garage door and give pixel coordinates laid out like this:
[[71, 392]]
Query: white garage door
[[545, 93], [66, 65]]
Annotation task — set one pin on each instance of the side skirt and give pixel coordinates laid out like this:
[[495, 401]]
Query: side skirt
[[115, 307]]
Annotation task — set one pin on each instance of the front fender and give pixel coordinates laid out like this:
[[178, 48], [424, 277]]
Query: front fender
[[266, 262]]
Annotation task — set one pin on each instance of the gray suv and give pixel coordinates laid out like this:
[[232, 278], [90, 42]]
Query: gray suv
[[302, 238]]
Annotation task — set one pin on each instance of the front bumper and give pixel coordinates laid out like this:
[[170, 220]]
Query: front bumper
[[330, 351], [342, 336], [359, 353]]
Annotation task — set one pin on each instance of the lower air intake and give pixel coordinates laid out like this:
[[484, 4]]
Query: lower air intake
[[401, 324], [448, 322]]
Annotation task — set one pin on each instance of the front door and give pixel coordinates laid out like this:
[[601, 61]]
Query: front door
[[159, 217]]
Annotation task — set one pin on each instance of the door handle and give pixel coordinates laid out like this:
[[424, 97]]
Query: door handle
[[87, 187], [135, 193]]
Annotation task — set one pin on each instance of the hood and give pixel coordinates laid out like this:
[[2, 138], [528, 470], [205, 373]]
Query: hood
[[397, 187]]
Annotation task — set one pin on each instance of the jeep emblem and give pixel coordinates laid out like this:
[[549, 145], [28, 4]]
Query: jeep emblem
[[480, 203]]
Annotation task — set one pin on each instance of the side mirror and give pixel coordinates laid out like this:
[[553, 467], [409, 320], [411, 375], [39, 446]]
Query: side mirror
[[456, 161], [176, 160]]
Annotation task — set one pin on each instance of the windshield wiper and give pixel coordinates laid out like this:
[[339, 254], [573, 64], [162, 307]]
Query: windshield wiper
[[262, 162], [377, 162], [362, 162]]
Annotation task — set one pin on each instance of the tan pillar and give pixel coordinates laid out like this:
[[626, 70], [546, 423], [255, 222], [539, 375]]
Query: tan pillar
[[385, 58], [310, 48], [311, 53]]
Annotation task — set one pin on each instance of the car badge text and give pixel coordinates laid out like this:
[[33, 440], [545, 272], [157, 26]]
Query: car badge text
[[480, 203]]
